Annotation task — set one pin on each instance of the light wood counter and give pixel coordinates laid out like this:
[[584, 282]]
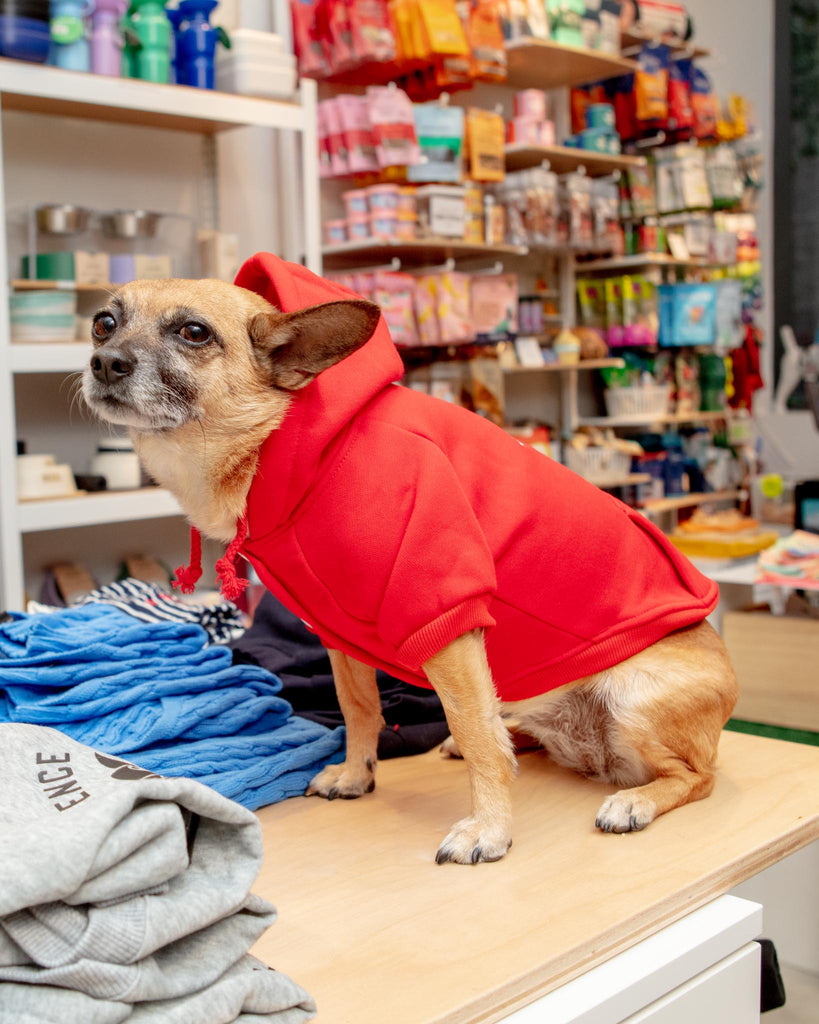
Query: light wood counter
[[377, 933]]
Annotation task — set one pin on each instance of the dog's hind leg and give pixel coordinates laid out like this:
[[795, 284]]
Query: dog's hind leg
[[651, 723], [360, 703], [461, 677]]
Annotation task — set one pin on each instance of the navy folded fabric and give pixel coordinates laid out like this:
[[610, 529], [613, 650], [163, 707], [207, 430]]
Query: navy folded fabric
[[159, 695]]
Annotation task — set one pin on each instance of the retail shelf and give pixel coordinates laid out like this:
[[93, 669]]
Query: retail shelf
[[95, 509], [644, 259], [520, 155], [584, 364], [689, 500], [629, 480], [412, 253], [647, 420], [545, 64], [27, 284], [37, 89], [48, 358], [633, 38]]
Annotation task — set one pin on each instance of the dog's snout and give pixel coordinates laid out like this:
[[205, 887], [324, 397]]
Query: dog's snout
[[111, 365]]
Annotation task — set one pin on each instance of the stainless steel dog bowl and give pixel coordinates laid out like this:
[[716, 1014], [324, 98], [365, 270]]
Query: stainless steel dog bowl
[[61, 218], [130, 223]]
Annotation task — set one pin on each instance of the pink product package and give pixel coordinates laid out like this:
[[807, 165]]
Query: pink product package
[[531, 103], [325, 162], [365, 285], [393, 123], [494, 305], [426, 313], [330, 114], [453, 307], [354, 116], [394, 293], [345, 280]]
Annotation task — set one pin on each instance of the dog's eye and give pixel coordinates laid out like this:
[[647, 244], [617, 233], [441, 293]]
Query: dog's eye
[[104, 325], [196, 334]]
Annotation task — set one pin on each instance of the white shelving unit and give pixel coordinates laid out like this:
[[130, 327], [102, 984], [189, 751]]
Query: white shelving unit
[[36, 89]]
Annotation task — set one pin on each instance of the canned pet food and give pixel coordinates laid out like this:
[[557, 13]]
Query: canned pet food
[[358, 227], [383, 224], [335, 231], [383, 198], [355, 201]]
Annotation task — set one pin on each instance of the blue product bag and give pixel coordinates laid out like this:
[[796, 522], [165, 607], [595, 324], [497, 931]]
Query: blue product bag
[[688, 314]]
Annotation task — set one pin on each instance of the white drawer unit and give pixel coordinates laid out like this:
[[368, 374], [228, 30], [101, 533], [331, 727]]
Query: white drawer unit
[[690, 971]]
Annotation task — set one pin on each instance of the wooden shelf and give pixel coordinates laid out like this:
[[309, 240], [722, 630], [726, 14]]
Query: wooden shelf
[[644, 259], [629, 480], [415, 253], [520, 155], [648, 420], [28, 284], [584, 364], [545, 64], [96, 509], [679, 47], [37, 89], [658, 505]]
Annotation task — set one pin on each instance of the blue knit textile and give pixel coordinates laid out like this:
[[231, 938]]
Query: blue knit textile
[[158, 695]]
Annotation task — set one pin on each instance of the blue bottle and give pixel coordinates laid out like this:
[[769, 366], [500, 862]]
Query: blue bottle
[[69, 35], [196, 41]]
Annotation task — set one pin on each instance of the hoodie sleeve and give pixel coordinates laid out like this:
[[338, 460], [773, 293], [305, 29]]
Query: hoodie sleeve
[[443, 578]]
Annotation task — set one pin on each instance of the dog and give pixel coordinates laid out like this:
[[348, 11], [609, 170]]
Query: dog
[[415, 536]]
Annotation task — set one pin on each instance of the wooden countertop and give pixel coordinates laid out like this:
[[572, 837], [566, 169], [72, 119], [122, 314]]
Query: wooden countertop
[[376, 931]]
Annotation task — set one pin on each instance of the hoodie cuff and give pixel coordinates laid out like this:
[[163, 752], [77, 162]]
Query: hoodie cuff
[[434, 636]]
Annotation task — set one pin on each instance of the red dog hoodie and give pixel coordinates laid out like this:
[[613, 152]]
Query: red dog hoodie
[[392, 522]]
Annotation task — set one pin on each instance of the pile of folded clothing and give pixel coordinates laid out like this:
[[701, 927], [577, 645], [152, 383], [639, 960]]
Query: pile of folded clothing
[[280, 642], [126, 896], [159, 694]]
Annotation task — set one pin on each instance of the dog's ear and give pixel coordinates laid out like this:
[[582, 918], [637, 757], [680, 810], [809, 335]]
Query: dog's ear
[[295, 347]]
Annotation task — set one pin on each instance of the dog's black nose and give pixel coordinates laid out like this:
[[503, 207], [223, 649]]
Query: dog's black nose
[[112, 365]]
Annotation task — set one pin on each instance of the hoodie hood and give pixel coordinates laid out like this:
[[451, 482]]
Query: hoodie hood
[[293, 455]]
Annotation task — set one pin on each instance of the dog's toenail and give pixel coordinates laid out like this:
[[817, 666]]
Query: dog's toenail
[[477, 853], [443, 857]]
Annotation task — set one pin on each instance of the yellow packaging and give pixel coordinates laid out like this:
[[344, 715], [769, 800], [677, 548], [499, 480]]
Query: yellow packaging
[[485, 134]]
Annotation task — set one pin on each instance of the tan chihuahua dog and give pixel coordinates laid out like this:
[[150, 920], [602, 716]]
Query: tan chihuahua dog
[[202, 373]]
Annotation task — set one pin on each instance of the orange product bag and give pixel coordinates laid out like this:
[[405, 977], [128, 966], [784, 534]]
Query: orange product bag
[[443, 28]]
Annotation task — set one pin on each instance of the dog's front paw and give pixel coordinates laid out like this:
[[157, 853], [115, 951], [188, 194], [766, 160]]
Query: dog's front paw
[[343, 780], [471, 841], [626, 811]]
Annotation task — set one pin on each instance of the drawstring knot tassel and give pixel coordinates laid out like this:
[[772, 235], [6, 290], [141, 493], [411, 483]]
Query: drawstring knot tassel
[[187, 576], [231, 585]]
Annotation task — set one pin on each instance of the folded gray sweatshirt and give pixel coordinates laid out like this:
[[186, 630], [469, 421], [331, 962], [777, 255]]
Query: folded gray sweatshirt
[[128, 888], [247, 993]]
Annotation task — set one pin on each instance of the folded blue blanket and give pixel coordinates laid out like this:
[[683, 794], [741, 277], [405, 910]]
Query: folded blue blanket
[[159, 695]]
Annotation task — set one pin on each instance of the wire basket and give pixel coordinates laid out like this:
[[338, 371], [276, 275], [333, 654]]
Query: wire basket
[[647, 400], [598, 463]]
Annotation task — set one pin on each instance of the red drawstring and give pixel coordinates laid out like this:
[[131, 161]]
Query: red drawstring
[[231, 585], [188, 576]]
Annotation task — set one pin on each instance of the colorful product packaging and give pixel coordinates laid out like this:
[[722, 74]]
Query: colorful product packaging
[[452, 291], [485, 132], [353, 112], [393, 125], [494, 306], [440, 133], [651, 83], [393, 292], [687, 314], [566, 21]]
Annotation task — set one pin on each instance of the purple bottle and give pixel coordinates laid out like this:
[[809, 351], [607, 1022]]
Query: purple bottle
[[106, 40]]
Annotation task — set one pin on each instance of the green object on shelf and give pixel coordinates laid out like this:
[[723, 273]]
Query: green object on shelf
[[147, 34], [51, 266]]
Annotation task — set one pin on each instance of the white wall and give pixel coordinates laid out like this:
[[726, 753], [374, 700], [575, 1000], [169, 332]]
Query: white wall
[[741, 34]]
